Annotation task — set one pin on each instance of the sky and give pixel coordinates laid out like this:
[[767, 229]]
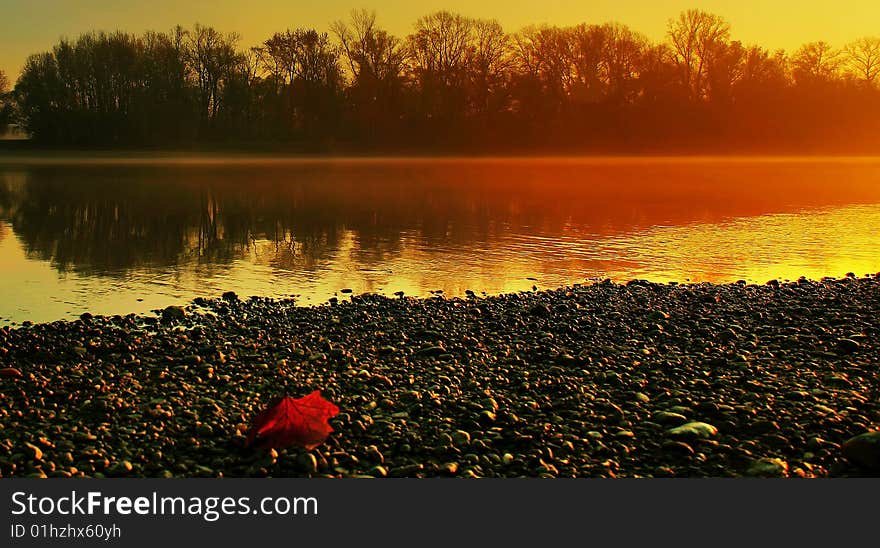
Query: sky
[[30, 26]]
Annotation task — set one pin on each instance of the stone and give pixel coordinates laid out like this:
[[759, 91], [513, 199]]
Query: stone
[[461, 438], [678, 447], [432, 351], [308, 463], [33, 451], [768, 467], [173, 313], [450, 468], [693, 430], [863, 450], [667, 417], [121, 468], [847, 346]]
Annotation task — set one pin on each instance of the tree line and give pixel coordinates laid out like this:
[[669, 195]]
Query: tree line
[[454, 83]]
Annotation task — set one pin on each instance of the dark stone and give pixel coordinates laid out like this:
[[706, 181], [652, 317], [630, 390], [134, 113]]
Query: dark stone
[[864, 450], [540, 310], [678, 447], [847, 346], [173, 313]]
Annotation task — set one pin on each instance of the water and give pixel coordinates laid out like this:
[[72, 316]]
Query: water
[[117, 236]]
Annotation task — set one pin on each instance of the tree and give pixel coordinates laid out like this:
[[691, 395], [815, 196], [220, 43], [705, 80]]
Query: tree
[[488, 63], [37, 93], [438, 52], [210, 56], [585, 49], [544, 61], [863, 59], [304, 67], [5, 103], [376, 61], [167, 102], [375, 58], [725, 72], [622, 56], [816, 62], [696, 38]]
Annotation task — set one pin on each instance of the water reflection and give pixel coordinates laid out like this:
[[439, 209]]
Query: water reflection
[[166, 232]]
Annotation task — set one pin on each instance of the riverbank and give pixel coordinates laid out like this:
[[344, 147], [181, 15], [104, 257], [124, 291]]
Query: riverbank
[[601, 380]]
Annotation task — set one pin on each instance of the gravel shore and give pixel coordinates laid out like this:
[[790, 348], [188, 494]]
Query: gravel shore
[[601, 380]]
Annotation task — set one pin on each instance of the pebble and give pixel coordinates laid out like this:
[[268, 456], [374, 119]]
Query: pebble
[[693, 430], [768, 467], [588, 386], [666, 417], [10, 373], [864, 450], [173, 313]]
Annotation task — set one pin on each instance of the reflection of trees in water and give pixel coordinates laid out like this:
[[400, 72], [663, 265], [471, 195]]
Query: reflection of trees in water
[[109, 219], [90, 223]]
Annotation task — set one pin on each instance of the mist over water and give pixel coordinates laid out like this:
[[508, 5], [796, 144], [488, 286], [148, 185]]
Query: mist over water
[[115, 236]]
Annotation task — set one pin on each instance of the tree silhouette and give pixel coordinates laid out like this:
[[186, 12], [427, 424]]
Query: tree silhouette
[[453, 84], [816, 62], [698, 40], [863, 58], [5, 103]]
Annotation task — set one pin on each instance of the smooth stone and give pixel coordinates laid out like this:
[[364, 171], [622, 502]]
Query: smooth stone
[[847, 346], [121, 468], [863, 450], [461, 438], [449, 468], [33, 451], [678, 447], [431, 351], [173, 313], [667, 417], [768, 468], [693, 430], [308, 463]]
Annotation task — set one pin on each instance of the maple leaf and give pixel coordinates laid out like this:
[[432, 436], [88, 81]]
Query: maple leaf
[[293, 421]]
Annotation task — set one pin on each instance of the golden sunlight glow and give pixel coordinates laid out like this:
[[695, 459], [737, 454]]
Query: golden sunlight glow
[[35, 26]]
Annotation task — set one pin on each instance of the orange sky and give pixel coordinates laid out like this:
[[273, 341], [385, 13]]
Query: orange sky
[[28, 26]]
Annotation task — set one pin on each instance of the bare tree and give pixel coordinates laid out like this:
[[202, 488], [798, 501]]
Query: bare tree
[[586, 49], [542, 54], [863, 58], [439, 47], [816, 62], [210, 55], [373, 55], [488, 63], [696, 37], [622, 56], [725, 71]]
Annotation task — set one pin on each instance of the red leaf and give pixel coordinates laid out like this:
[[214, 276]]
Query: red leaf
[[293, 421]]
